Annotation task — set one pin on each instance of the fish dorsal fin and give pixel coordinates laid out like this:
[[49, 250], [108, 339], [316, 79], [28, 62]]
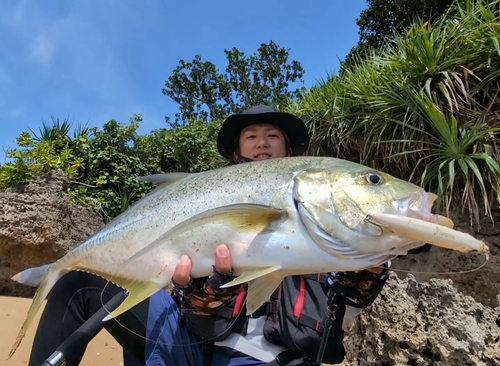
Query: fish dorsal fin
[[164, 178]]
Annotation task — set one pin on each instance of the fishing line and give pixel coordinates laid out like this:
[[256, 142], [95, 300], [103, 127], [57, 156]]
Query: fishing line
[[228, 329], [487, 258]]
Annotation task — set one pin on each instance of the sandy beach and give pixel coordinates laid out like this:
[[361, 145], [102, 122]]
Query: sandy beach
[[102, 351]]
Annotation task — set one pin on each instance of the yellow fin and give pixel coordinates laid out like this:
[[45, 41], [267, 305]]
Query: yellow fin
[[246, 217], [261, 289], [261, 285], [137, 290], [251, 275]]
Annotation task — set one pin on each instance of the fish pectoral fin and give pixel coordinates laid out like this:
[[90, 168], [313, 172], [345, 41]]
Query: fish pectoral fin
[[251, 275], [164, 179], [261, 289], [138, 291], [245, 217], [249, 216]]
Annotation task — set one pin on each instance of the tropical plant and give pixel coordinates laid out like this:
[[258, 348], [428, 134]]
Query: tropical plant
[[423, 108]]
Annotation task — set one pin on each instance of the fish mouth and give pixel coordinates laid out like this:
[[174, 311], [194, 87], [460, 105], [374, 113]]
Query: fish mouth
[[417, 205]]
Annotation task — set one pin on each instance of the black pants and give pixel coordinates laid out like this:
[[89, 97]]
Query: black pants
[[73, 300]]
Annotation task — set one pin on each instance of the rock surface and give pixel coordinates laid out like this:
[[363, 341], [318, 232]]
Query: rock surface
[[39, 224], [429, 323], [439, 307]]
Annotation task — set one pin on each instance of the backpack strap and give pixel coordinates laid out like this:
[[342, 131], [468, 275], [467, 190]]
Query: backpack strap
[[283, 358], [334, 301]]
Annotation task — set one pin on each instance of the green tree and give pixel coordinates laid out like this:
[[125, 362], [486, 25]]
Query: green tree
[[112, 161], [104, 163], [204, 93], [383, 19]]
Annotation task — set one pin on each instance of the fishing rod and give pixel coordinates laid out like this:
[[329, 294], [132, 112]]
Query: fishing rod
[[83, 335]]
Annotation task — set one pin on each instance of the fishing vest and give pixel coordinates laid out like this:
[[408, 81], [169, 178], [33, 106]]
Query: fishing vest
[[295, 317]]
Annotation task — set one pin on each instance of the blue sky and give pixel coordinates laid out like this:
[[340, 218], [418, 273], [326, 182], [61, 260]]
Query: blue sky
[[96, 60]]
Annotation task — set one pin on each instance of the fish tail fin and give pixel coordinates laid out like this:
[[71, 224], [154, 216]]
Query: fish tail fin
[[46, 284], [32, 276]]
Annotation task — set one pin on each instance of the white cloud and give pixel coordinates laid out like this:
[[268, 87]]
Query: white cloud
[[42, 49]]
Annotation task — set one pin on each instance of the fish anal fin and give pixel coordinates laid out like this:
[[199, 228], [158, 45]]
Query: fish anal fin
[[261, 285], [261, 289], [250, 275], [138, 290]]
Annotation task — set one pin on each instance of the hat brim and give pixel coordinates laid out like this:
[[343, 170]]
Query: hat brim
[[292, 125]]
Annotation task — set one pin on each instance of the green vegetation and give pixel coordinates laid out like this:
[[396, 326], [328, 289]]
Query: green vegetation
[[421, 105]]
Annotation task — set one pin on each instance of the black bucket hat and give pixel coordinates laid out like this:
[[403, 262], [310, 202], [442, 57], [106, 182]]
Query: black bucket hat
[[292, 125]]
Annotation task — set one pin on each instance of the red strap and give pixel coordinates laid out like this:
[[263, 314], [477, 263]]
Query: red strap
[[299, 304], [238, 303]]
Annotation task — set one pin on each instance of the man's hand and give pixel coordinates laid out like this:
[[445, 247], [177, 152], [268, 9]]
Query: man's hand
[[359, 288], [203, 296], [183, 269]]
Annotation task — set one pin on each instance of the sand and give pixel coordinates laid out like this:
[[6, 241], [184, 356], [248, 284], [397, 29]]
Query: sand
[[103, 350]]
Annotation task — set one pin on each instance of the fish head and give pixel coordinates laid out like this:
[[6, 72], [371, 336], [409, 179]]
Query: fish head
[[335, 205]]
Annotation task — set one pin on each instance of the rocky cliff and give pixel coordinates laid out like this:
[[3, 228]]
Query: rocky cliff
[[39, 224]]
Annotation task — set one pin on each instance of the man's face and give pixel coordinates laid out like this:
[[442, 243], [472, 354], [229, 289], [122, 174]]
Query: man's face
[[262, 141]]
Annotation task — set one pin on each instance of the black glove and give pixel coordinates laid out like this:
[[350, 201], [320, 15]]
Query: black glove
[[359, 289], [203, 296]]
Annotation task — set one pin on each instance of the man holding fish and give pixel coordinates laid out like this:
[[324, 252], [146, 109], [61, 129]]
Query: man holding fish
[[260, 133], [295, 215]]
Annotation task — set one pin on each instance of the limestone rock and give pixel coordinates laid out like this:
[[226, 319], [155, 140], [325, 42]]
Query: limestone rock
[[39, 224], [429, 323]]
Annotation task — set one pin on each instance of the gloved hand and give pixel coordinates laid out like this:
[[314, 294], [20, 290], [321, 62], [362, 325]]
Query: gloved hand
[[203, 296], [359, 289]]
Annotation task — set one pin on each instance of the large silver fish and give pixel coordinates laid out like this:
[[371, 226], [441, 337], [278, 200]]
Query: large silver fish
[[279, 217]]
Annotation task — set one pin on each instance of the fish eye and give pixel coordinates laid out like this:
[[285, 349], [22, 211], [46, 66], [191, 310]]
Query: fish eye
[[373, 178]]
